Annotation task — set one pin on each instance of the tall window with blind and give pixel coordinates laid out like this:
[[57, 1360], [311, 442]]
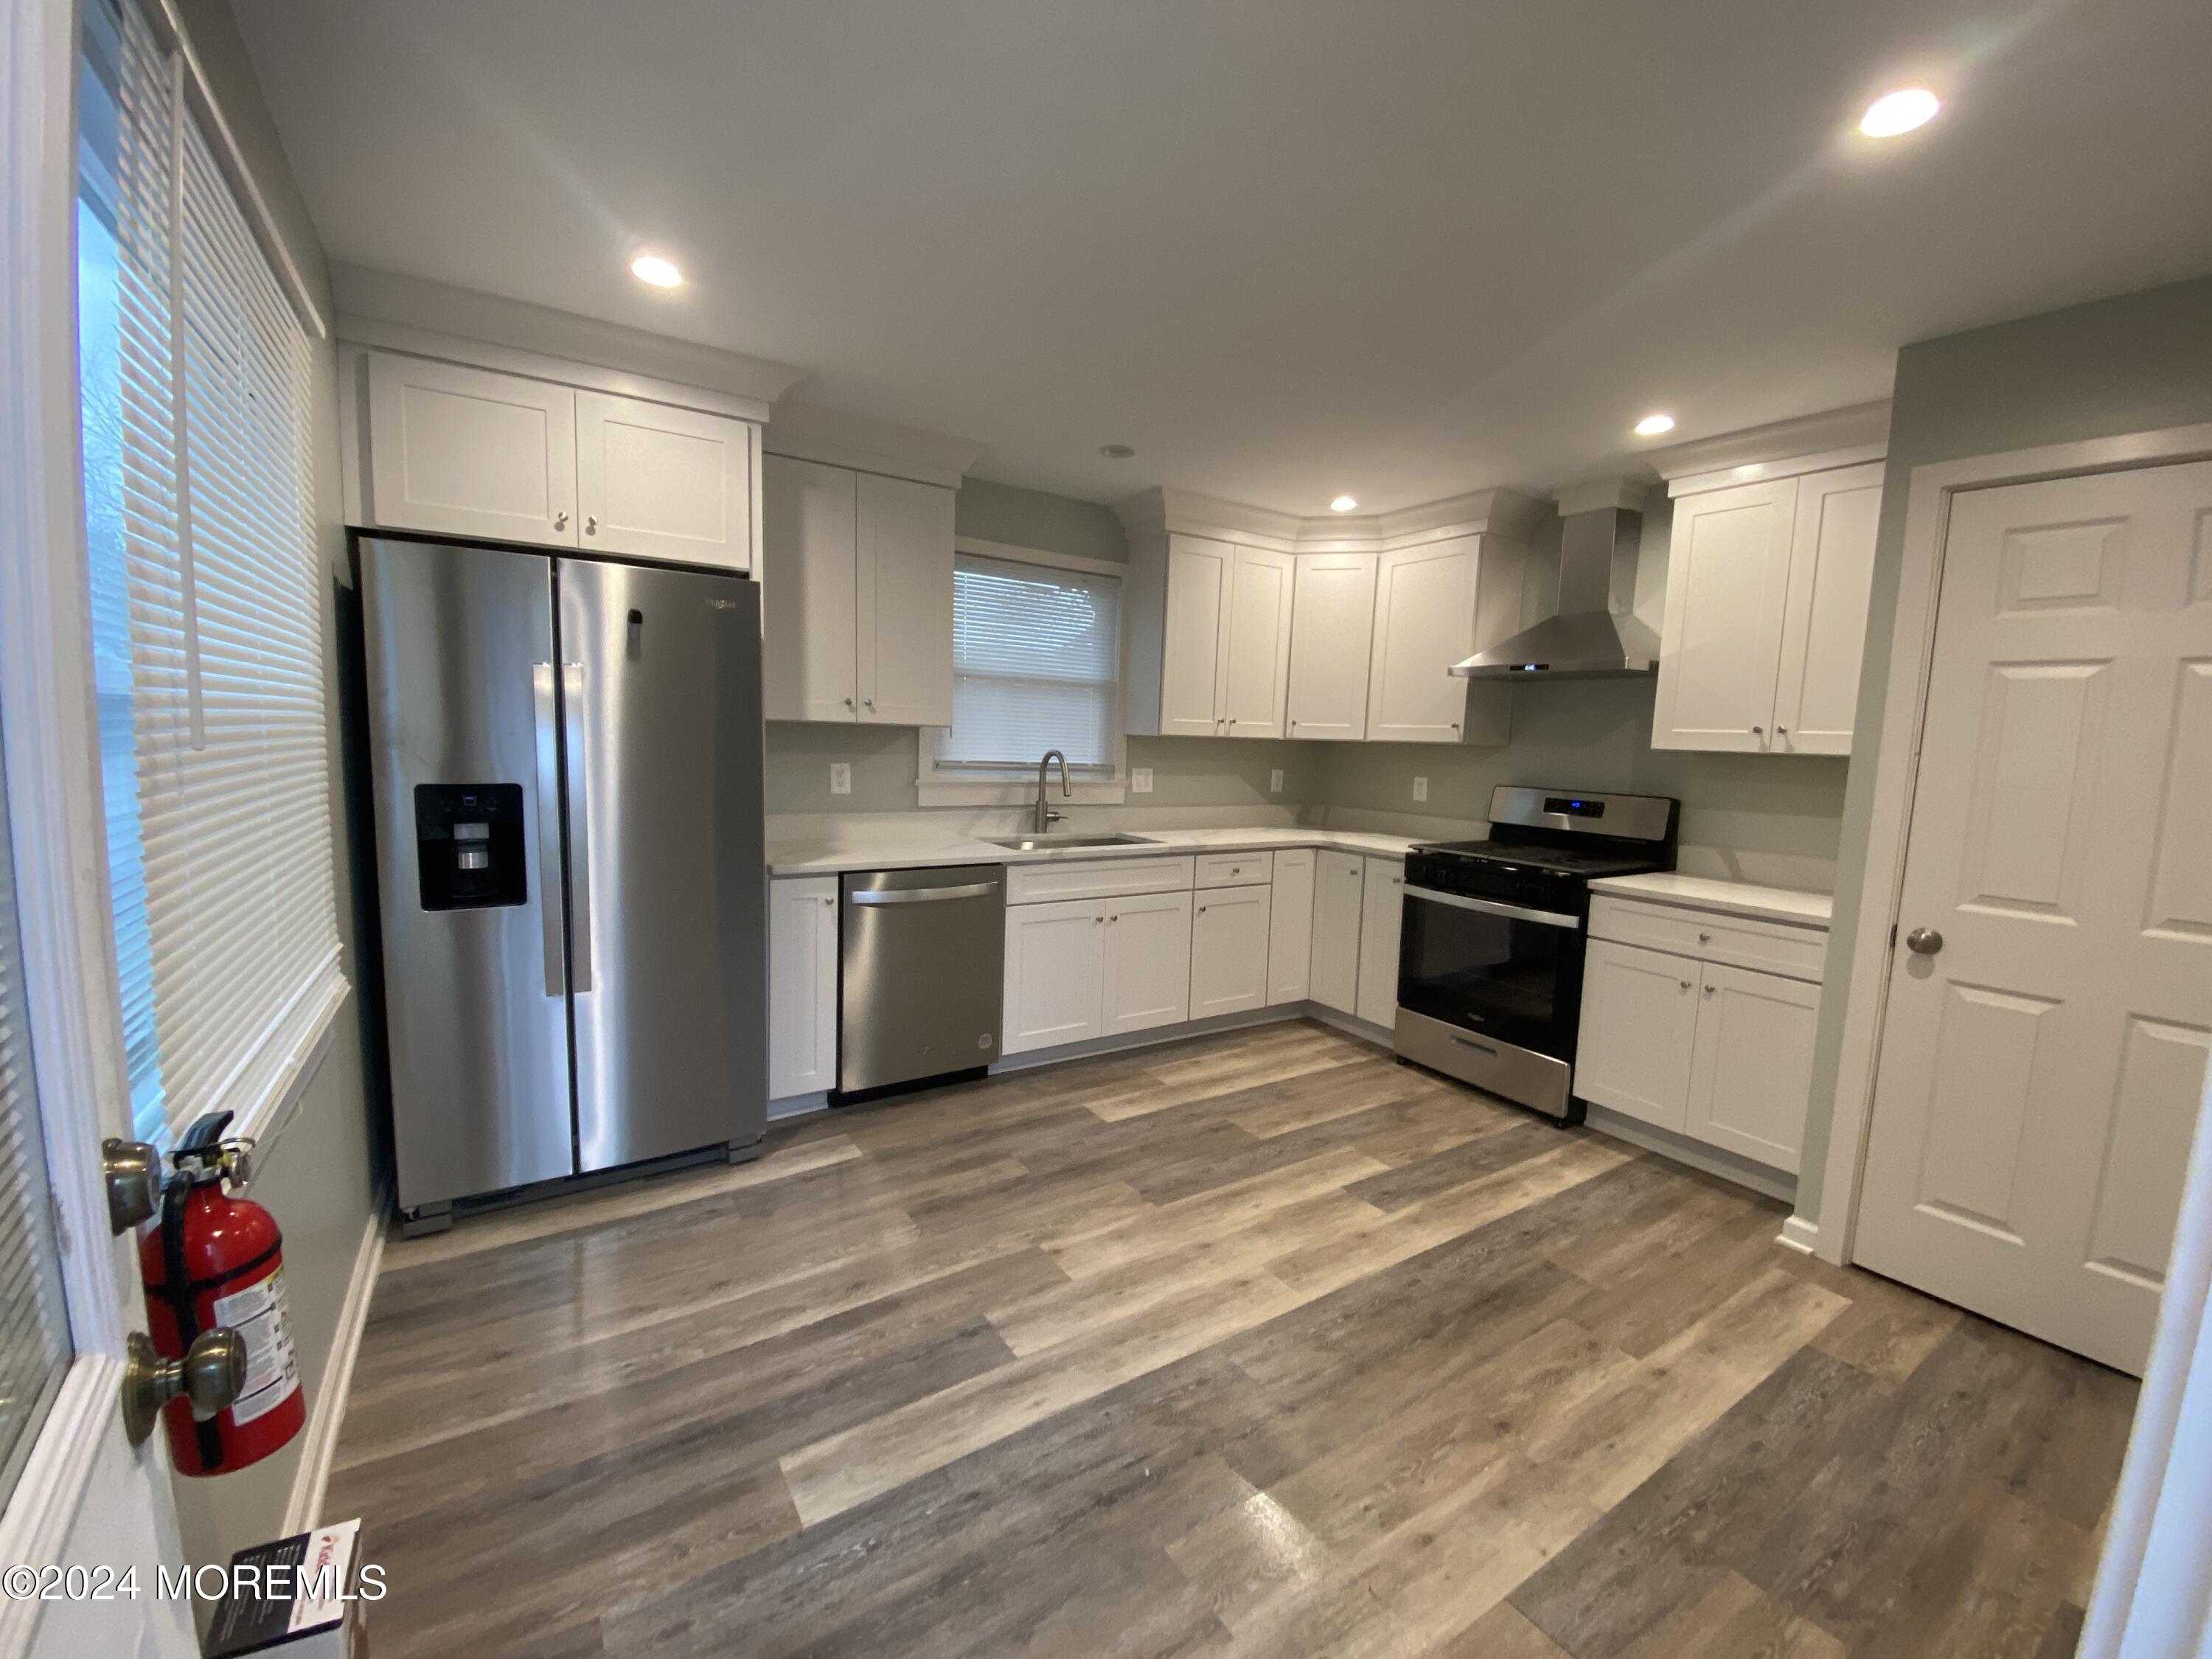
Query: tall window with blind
[[206, 596], [1035, 666]]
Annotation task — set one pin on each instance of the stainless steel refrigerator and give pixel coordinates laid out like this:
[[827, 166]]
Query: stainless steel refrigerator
[[566, 760]]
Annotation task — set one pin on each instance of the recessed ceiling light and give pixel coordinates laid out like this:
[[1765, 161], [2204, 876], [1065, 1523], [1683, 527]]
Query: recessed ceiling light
[[1342, 504], [652, 268], [1899, 112], [1115, 451], [1652, 425], [1750, 469]]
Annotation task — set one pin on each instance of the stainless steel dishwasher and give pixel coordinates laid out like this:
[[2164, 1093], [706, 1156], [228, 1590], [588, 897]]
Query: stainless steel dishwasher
[[921, 953]]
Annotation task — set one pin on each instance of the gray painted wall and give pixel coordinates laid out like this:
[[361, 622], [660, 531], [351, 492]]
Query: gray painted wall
[[2134, 363], [317, 1177], [1030, 517]]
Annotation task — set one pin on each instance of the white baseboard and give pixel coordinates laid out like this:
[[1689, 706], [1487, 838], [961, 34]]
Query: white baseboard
[[319, 1442], [1800, 1235], [1713, 1160]]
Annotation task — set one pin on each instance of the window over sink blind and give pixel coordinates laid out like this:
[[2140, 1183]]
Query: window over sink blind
[[207, 599], [1035, 666]]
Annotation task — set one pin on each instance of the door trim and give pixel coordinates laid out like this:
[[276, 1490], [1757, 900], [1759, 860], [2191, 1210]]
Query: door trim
[[57, 819], [1904, 710]]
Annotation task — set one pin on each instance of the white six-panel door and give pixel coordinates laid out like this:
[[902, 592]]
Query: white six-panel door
[[1330, 645], [1728, 579], [2039, 1078]]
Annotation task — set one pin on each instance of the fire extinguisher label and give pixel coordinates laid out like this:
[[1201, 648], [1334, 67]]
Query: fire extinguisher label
[[261, 1316]]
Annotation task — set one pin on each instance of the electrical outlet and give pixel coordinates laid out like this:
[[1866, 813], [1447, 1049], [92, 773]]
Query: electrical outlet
[[1140, 780], [840, 777], [1275, 781], [1421, 788]]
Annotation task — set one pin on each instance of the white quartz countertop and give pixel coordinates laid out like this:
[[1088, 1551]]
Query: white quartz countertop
[[901, 845], [1736, 898]]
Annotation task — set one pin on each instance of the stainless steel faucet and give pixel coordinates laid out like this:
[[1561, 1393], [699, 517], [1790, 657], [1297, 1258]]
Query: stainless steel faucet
[[1045, 814]]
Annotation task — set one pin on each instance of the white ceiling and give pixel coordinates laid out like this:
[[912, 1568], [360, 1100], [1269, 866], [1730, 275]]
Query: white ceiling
[[1284, 249]]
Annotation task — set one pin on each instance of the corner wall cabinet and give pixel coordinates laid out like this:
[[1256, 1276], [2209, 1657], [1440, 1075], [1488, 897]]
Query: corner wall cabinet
[[856, 593], [451, 449], [1766, 613], [1332, 633], [1701, 1024]]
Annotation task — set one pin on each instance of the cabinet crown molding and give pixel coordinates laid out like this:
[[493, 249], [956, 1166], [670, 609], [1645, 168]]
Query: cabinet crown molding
[[1180, 511], [367, 298], [865, 444], [1859, 433]]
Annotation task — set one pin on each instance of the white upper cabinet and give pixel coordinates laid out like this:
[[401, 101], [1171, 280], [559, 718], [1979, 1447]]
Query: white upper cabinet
[[1766, 602], [1424, 621], [464, 451], [1824, 623], [810, 591], [1211, 621], [1332, 633], [451, 449], [1256, 674], [856, 590], [904, 542], [1382, 908], [655, 482], [1194, 636]]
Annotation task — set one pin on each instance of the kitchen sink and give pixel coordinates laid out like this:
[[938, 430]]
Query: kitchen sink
[[1048, 843]]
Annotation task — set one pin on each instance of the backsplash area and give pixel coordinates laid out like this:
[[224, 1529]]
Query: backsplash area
[[1759, 817]]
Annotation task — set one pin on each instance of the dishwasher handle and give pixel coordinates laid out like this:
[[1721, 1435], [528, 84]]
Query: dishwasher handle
[[923, 895]]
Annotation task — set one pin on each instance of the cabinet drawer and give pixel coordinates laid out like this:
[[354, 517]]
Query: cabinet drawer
[[1035, 884], [1235, 869], [1768, 947]]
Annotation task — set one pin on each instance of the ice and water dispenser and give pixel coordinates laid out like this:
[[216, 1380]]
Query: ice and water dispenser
[[468, 845]]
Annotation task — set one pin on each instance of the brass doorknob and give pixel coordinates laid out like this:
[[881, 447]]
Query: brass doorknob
[[211, 1375], [1924, 941]]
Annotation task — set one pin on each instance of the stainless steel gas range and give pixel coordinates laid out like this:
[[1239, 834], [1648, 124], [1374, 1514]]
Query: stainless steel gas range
[[1490, 960]]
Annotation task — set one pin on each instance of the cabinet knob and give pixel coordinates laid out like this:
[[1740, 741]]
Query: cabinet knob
[[1685, 984], [849, 702], [870, 701], [1757, 730], [1781, 730], [560, 520], [1709, 989], [1455, 726], [1201, 909], [591, 524], [829, 901], [1098, 920]]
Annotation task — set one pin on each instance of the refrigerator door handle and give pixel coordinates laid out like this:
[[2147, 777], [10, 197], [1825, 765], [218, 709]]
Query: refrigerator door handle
[[579, 828], [549, 827]]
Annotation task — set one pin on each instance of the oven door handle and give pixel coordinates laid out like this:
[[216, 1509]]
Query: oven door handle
[[1493, 907]]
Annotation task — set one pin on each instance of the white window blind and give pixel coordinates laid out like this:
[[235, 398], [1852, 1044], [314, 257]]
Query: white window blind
[[225, 912], [1035, 666], [34, 1343]]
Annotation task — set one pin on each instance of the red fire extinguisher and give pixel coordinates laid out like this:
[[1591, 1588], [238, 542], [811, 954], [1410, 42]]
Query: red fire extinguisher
[[217, 1260]]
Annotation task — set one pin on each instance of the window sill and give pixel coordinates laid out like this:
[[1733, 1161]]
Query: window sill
[[1011, 792]]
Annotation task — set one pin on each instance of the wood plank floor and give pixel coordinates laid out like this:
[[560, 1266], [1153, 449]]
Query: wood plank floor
[[1259, 1343]]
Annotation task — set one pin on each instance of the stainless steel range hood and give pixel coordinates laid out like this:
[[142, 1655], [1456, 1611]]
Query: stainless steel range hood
[[1595, 635]]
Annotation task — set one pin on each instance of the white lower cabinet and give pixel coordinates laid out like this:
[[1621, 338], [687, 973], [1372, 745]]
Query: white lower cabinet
[[1290, 927], [802, 985], [1753, 1063], [1334, 981], [1228, 952], [1149, 963], [1382, 908], [1055, 975], [1638, 1030], [1719, 1054]]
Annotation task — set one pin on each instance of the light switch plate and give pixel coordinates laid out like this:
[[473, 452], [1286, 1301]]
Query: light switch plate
[[1140, 780], [840, 777], [1275, 781], [1421, 788]]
